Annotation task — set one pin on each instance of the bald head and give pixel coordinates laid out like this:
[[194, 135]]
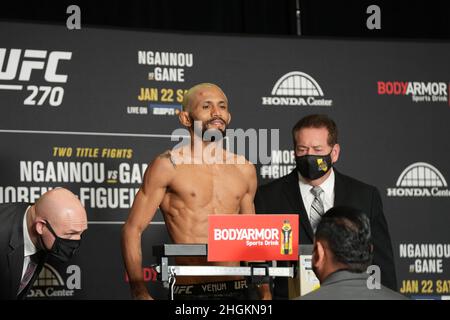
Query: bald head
[[192, 93], [63, 210]]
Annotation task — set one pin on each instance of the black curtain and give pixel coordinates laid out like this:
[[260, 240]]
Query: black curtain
[[343, 18]]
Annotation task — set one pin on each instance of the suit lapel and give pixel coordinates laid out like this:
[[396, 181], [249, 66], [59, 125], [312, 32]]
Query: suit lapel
[[16, 254], [339, 189], [41, 258], [292, 192]]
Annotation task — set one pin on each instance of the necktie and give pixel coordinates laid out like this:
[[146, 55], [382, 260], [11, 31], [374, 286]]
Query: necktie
[[316, 207], [29, 272]]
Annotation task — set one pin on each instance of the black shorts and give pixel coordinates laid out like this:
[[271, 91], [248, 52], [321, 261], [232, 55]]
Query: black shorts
[[223, 290]]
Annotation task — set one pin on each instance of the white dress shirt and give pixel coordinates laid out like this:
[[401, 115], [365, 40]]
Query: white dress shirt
[[327, 195], [29, 247]]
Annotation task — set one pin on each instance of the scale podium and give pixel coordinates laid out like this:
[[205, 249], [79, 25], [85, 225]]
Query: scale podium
[[302, 282], [305, 280]]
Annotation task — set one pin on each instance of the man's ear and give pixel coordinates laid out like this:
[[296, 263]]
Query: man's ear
[[229, 119], [39, 225], [185, 119], [335, 153], [320, 252]]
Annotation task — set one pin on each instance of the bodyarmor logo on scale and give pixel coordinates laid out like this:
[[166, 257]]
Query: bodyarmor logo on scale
[[23, 65], [296, 89], [420, 179]]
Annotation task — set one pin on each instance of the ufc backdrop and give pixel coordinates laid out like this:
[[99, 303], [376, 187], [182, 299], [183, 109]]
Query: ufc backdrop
[[89, 109]]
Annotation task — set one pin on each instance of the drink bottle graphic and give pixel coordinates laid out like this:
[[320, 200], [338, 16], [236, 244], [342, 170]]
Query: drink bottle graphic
[[286, 238]]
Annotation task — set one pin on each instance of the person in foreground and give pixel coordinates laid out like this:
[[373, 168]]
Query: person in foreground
[[188, 186], [342, 253], [316, 186], [30, 233]]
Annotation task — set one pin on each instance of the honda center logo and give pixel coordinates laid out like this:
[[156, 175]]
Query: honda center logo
[[420, 179], [296, 89]]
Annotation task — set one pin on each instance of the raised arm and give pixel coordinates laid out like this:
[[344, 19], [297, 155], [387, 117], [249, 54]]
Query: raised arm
[[157, 178]]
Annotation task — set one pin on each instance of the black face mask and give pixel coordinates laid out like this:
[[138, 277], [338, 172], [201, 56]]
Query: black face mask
[[313, 167], [62, 249]]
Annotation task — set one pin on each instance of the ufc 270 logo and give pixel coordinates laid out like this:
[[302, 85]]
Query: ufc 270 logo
[[21, 64]]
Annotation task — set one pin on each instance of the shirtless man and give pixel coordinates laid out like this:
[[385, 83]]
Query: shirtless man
[[188, 191]]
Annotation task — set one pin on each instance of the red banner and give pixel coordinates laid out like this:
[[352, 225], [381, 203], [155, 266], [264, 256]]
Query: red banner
[[252, 237]]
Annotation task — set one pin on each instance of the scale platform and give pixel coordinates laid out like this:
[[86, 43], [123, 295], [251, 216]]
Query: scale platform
[[163, 252]]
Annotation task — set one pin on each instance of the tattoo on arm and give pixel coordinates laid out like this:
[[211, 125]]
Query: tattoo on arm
[[168, 156]]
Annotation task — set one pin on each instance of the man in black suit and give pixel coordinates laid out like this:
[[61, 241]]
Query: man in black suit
[[342, 253], [315, 186], [29, 233]]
